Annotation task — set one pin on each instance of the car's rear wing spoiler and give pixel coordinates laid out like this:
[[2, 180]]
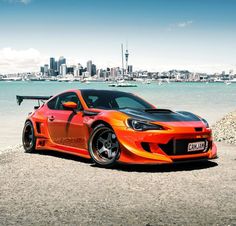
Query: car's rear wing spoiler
[[20, 99]]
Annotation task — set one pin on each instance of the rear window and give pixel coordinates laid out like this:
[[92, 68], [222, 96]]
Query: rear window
[[52, 103]]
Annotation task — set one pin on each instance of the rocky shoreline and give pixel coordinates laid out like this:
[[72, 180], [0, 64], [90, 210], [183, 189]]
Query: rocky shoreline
[[225, 129]]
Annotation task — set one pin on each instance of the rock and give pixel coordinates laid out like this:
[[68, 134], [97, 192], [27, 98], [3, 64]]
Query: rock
[[225, 129]]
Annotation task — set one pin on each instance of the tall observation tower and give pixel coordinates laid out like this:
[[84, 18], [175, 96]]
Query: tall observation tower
[[126, 59]]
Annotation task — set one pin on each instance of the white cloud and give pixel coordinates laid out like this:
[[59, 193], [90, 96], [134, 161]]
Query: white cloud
[[13, 61], [184, 24], [25, 2]]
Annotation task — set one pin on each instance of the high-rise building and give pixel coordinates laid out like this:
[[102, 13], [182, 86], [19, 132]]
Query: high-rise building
[[42, 70], [76, 72], [55, 69], [63, 69], [62, 60], [71, 69], [46, 70], [94, 70], [52, 63], [99, 73], [89, 67], [80, 68], [115, 71]]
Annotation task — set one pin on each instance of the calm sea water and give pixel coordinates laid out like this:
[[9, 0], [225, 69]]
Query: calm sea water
[[212, 101]]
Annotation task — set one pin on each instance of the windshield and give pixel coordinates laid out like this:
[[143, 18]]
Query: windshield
[[106, 99]]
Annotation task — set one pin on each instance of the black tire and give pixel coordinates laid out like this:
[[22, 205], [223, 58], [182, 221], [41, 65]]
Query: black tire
[[28, 137], [103, 146]]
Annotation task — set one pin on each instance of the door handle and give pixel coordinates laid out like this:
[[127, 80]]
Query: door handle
[[51, 118]]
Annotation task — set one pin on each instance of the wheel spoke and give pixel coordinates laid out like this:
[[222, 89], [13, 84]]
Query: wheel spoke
[[100, 139], [101, 150], [109, 136], [114, 145], [109, 153], [113, 154]]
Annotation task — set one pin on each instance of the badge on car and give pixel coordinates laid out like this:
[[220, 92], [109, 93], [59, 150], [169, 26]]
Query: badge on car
[[196, 146]]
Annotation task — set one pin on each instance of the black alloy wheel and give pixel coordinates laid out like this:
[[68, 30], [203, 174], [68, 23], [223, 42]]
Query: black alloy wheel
[[28, 137], [104, 147]]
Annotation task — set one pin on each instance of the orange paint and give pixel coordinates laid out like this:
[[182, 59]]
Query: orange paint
[[69, 131]]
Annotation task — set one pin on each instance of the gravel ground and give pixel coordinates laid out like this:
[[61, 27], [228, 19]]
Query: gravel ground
[[59, 189]]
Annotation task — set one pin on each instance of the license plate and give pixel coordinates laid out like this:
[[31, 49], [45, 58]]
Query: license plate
[[196, 146]]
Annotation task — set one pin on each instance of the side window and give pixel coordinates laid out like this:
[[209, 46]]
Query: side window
[[56, 103], [67, 97], [52, 103]]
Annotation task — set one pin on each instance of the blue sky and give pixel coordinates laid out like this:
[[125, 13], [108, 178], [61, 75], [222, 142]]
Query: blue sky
[[198, 35]]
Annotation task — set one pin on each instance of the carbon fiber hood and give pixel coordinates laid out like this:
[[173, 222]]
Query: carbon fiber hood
[[160, 115]]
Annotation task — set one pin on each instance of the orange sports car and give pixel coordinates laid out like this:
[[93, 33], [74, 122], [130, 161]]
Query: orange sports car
[[112, 126]]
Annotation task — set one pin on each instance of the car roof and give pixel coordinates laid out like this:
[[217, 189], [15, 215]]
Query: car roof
[[101, 90]]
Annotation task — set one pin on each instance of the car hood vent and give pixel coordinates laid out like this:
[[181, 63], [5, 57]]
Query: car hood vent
[[158, 110]]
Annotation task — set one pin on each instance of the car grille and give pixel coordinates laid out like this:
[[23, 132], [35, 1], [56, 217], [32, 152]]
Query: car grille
[[180, 147]]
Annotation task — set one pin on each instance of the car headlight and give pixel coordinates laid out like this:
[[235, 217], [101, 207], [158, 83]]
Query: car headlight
[[140, 125], [205, 122]]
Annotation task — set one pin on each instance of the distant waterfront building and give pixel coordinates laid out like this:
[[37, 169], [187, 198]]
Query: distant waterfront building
[[52, 67], [55, 68], [85, 74], [63, 69], [94, 70], [46, 70], [62, 60], [80, 68], [100, 73], [115, 72], [52, 63], [89, 67], [71, 69], [42, 70], [76, 72], [231, 73]]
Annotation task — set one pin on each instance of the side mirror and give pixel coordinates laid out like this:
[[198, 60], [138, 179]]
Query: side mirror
[[70, 105]]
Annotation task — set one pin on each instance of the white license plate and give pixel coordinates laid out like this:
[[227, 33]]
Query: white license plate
[[196, 146]]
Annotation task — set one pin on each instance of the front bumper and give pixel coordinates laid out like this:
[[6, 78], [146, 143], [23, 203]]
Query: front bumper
[[146, 147]]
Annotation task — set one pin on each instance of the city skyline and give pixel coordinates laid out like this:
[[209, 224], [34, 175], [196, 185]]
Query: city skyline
[[161, 35]]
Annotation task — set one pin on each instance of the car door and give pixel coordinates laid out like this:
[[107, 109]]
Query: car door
[[66, 126]]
